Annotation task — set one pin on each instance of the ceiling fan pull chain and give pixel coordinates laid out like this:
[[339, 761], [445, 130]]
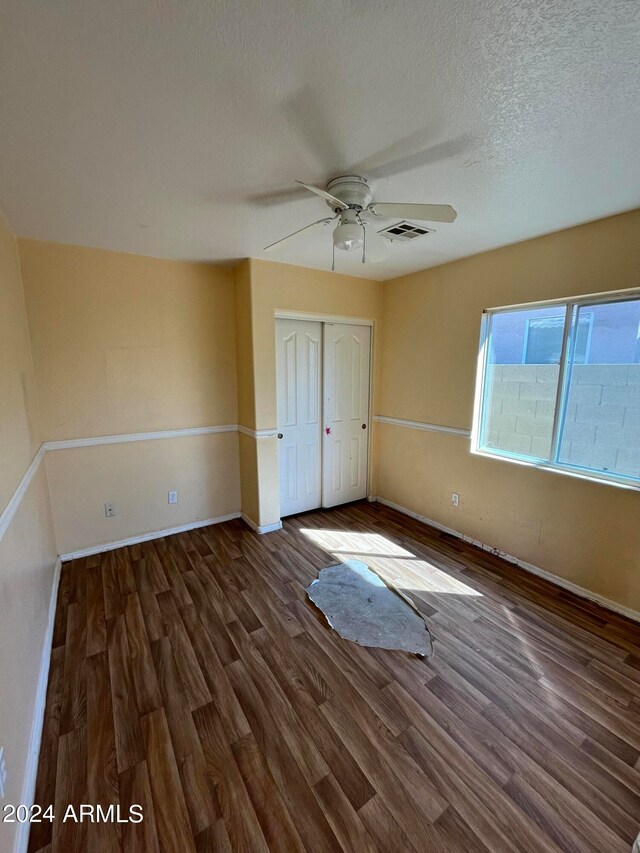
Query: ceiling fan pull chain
[[364, 239], [333, 258]]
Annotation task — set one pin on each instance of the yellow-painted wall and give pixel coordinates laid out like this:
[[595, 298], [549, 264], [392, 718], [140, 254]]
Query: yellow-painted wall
[[27, 548], [244, 346], [137, 476], [282, 287], [126, 344], [248, 451], [19, 419], [588, 533], [247, 448]]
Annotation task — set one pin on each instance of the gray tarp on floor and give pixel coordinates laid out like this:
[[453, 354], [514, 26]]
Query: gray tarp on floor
[[362, 608]]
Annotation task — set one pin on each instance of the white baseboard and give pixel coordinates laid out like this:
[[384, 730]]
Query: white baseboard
[[267, 528], [31, 773], [145, 537], [528, 567]]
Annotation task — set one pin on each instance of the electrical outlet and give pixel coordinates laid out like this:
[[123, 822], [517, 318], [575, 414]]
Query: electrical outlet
[[173, 497], [455, 498], [110, 510], [3, 773]]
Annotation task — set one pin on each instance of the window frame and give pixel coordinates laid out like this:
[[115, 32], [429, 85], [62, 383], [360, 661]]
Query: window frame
[[570, 305]]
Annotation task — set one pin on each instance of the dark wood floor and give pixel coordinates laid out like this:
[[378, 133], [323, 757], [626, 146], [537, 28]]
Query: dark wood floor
[[189, 675]]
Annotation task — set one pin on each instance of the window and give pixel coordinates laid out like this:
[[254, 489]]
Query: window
[[559, 386]]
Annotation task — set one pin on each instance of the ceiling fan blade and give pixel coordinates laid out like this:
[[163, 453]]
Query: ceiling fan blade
[[376, 247], [427, 212], [333, 201], [322, 222]]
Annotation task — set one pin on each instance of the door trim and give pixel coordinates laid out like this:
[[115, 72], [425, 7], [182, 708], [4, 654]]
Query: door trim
[[322, 318]]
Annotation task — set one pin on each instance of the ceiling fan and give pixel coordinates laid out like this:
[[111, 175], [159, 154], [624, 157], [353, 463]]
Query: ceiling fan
[[354, 210]]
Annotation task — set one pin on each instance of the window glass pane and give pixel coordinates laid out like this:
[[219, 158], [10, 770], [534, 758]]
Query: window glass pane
[[519, 393], [601, 427], [543, 341]]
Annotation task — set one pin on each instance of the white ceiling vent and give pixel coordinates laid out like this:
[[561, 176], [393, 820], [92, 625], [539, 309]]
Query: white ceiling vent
[[404, 231]]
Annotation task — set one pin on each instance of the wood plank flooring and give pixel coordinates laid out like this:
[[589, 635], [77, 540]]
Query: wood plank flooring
[[191, 676]]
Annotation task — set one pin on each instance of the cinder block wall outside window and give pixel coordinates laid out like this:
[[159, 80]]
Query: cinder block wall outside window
[[603, 415]]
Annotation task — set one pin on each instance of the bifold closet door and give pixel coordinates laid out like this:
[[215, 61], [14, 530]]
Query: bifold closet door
[[299, 401], [345, 439]]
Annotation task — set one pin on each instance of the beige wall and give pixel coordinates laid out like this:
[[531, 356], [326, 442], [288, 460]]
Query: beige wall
[[27, 549], [244, 346], [285, 287], [282, 287], [137, 476], [247, 448], [248, 452], [126, 344], [583, 531], [19, 428]]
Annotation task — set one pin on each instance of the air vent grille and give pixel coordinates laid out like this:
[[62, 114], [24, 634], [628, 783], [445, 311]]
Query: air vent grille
[[404, 231]]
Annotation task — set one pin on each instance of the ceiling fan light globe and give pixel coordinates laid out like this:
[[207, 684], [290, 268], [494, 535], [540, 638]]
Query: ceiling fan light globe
[[348, 236]]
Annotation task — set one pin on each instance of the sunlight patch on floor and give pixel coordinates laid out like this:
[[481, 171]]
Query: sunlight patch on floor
[[342, 541], [399, 567]]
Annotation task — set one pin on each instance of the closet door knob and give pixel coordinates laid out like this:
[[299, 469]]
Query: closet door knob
[[280, 435]]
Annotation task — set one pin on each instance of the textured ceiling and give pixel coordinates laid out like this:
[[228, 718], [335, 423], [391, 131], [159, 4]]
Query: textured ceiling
[[161, 127]]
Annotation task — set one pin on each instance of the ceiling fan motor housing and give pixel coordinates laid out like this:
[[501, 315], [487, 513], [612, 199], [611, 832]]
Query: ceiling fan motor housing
[[352, 190]]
